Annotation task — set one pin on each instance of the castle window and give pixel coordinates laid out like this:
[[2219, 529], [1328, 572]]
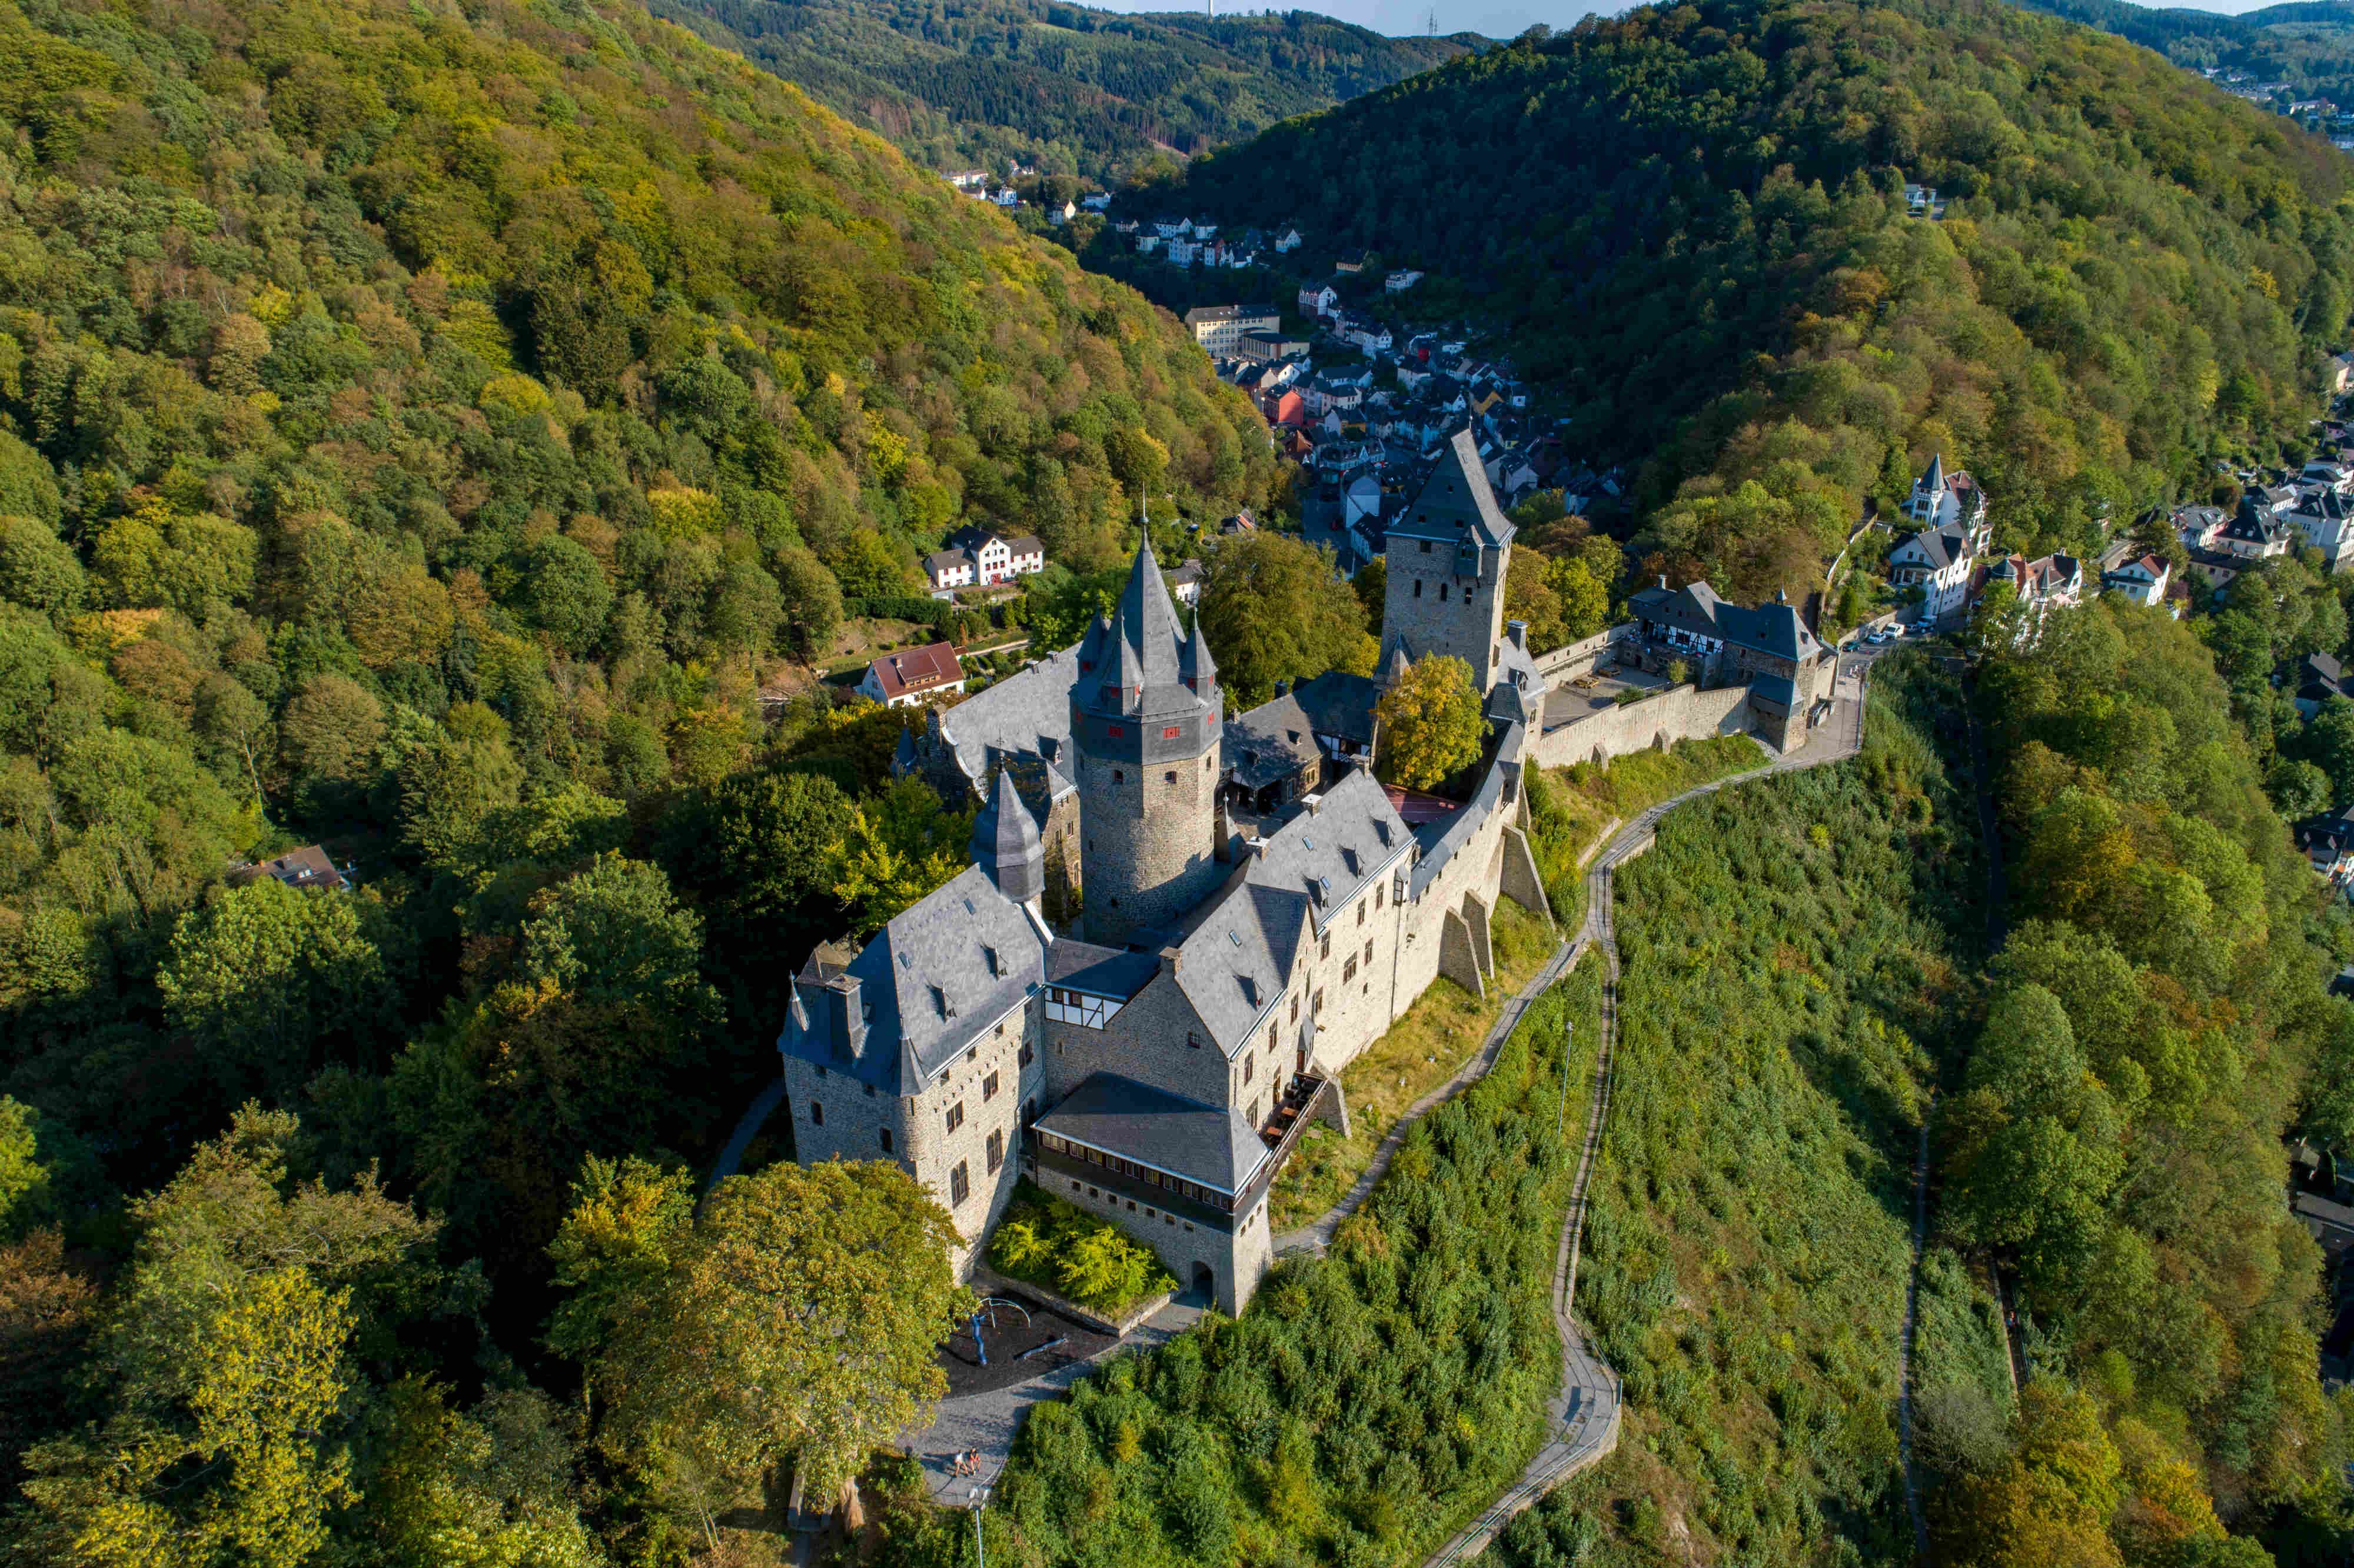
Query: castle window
[[1169, 777], [1115, 731], [996, 1151], [960, 1185], [1247, 1069], [1117, 777], [1418, 582], [1324, 948], [1425, 550], [989, 1088], [870, 1091], [1029, 1054], [1378, 891], [820, 1074], [956, 1116], [817, 1114], [1170, 732], [1369, 952], [1361, 912], [1442, 593], [1349, 971], [1295, 1007], [886, 1133]]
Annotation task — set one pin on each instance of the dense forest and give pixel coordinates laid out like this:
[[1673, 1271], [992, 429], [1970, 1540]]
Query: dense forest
[[1066, 89], [1689, 223], [423, 427], [2307, 46]]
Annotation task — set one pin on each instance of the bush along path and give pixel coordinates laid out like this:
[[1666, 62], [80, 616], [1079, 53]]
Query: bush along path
[[1584, 1415]]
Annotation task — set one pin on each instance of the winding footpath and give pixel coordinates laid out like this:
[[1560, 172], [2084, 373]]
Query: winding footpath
[[1584, 1415]]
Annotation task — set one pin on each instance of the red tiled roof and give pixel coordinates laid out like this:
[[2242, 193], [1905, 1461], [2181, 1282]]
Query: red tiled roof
[[917, 670], [1419, 809]]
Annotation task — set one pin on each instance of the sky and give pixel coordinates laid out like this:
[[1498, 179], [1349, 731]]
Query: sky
[[1495, 18]]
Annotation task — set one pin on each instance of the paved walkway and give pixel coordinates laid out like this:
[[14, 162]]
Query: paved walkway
[[1584, 1414], [984, 1424]]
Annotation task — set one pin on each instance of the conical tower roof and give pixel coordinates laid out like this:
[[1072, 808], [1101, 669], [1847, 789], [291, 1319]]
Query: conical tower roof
[[1934, 479], [1137, 659], [1005, 842]]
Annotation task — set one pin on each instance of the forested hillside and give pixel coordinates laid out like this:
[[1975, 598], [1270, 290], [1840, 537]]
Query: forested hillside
[[422, 428], [2307, 46], [1689, 222], [1066, 87]]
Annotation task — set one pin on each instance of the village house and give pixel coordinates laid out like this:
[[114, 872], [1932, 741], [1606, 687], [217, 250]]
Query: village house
[[1349, 261], [1185, 583], [905, 679], [976, 558], [1269, 345], [2326, 518], [2255, 532], [2327, 841], [1398, 283], [1318, 298], [1287, 238], [2319, 678], [301, 869], [1940, 557], [2143, 579]]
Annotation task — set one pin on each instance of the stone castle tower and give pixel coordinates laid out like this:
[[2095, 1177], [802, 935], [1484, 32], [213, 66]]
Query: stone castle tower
[[1146, 722], [1447, 555]]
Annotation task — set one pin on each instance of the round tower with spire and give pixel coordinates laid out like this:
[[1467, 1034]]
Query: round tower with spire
[[1146, 722]]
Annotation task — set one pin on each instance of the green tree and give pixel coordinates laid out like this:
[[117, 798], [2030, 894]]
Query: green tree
[[333, 730], [40, 570], [896, 849], [1273, 610], [811, 603], [797, 1316], [267, 975], [563, 592], [1430, 723]]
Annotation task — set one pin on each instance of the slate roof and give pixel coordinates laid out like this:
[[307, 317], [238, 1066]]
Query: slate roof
[[1235, 965], [1099, 972], [1134, 664], [1774, 628], [307, 867], [926, 987], [1339, 705], [1457, 501], [1272, 742], [1176, 1136], [1941, 546], [1030, 711]]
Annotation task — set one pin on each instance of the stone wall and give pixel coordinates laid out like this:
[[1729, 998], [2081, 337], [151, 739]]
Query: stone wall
[[1145, 1041], [854, 1117], [1683, 713], [1148, 831], [1569, 662], [1236, 1260]]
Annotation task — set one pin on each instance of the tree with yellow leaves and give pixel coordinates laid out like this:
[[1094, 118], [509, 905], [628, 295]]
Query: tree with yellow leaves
[[1430, 723]]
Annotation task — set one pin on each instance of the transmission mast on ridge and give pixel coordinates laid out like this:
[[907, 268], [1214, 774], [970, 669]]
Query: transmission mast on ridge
[[1430, 24]]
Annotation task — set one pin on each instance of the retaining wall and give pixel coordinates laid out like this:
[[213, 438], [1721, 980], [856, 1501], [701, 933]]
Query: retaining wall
[[1682, 713]]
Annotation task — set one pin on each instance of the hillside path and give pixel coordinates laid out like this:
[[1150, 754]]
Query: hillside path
[[1584, 1415]]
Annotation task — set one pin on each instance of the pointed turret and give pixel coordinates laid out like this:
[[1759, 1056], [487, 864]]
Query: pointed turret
[[1395, 667], [1005, 842], [1934, 482], [1194, 665]]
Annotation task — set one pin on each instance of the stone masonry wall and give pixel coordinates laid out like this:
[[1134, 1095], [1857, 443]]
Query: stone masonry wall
[[1236, 1261], [1683, 713], [1149, 837]]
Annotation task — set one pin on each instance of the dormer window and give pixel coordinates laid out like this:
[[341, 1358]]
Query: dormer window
[[989, 954], [940, 1003]]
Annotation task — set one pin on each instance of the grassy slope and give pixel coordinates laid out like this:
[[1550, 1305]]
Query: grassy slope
[[1368, 1403], [1420, 1051], [1794, 958]]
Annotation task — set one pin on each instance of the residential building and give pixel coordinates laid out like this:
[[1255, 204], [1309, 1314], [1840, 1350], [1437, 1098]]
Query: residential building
[[2255, 532], [1185, 584], [301, 869], [1941, 558], [905, 679], [1220, 329], [1286, 238], [976, 558], [2142, 579], [2320, 679], [1318, 298], [2327, 841], [1398, 283], [2326, 518], [1349, 261], [1270, 346]]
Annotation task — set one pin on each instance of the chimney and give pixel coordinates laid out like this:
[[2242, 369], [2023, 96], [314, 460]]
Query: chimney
[[849, 1020], [1517, 630], [1173, 959], [1311, 801], [1282, 688], [1664, 581]]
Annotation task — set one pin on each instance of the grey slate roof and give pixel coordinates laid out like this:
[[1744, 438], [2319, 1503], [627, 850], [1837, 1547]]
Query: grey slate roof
[[1133, 665], [1339, 705], [1099, 972], [1942, 546], [1236, 961], [1178, 1137], [1272, 742], [1029, 712], [926, 987], [1773, 629], [1457, 501], [1352, 836]]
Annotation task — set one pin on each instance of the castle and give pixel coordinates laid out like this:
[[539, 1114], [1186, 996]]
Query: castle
[[1158, 1069]]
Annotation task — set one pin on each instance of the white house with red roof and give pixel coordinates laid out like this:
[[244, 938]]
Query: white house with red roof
[[917, 674], [1951, 532]]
